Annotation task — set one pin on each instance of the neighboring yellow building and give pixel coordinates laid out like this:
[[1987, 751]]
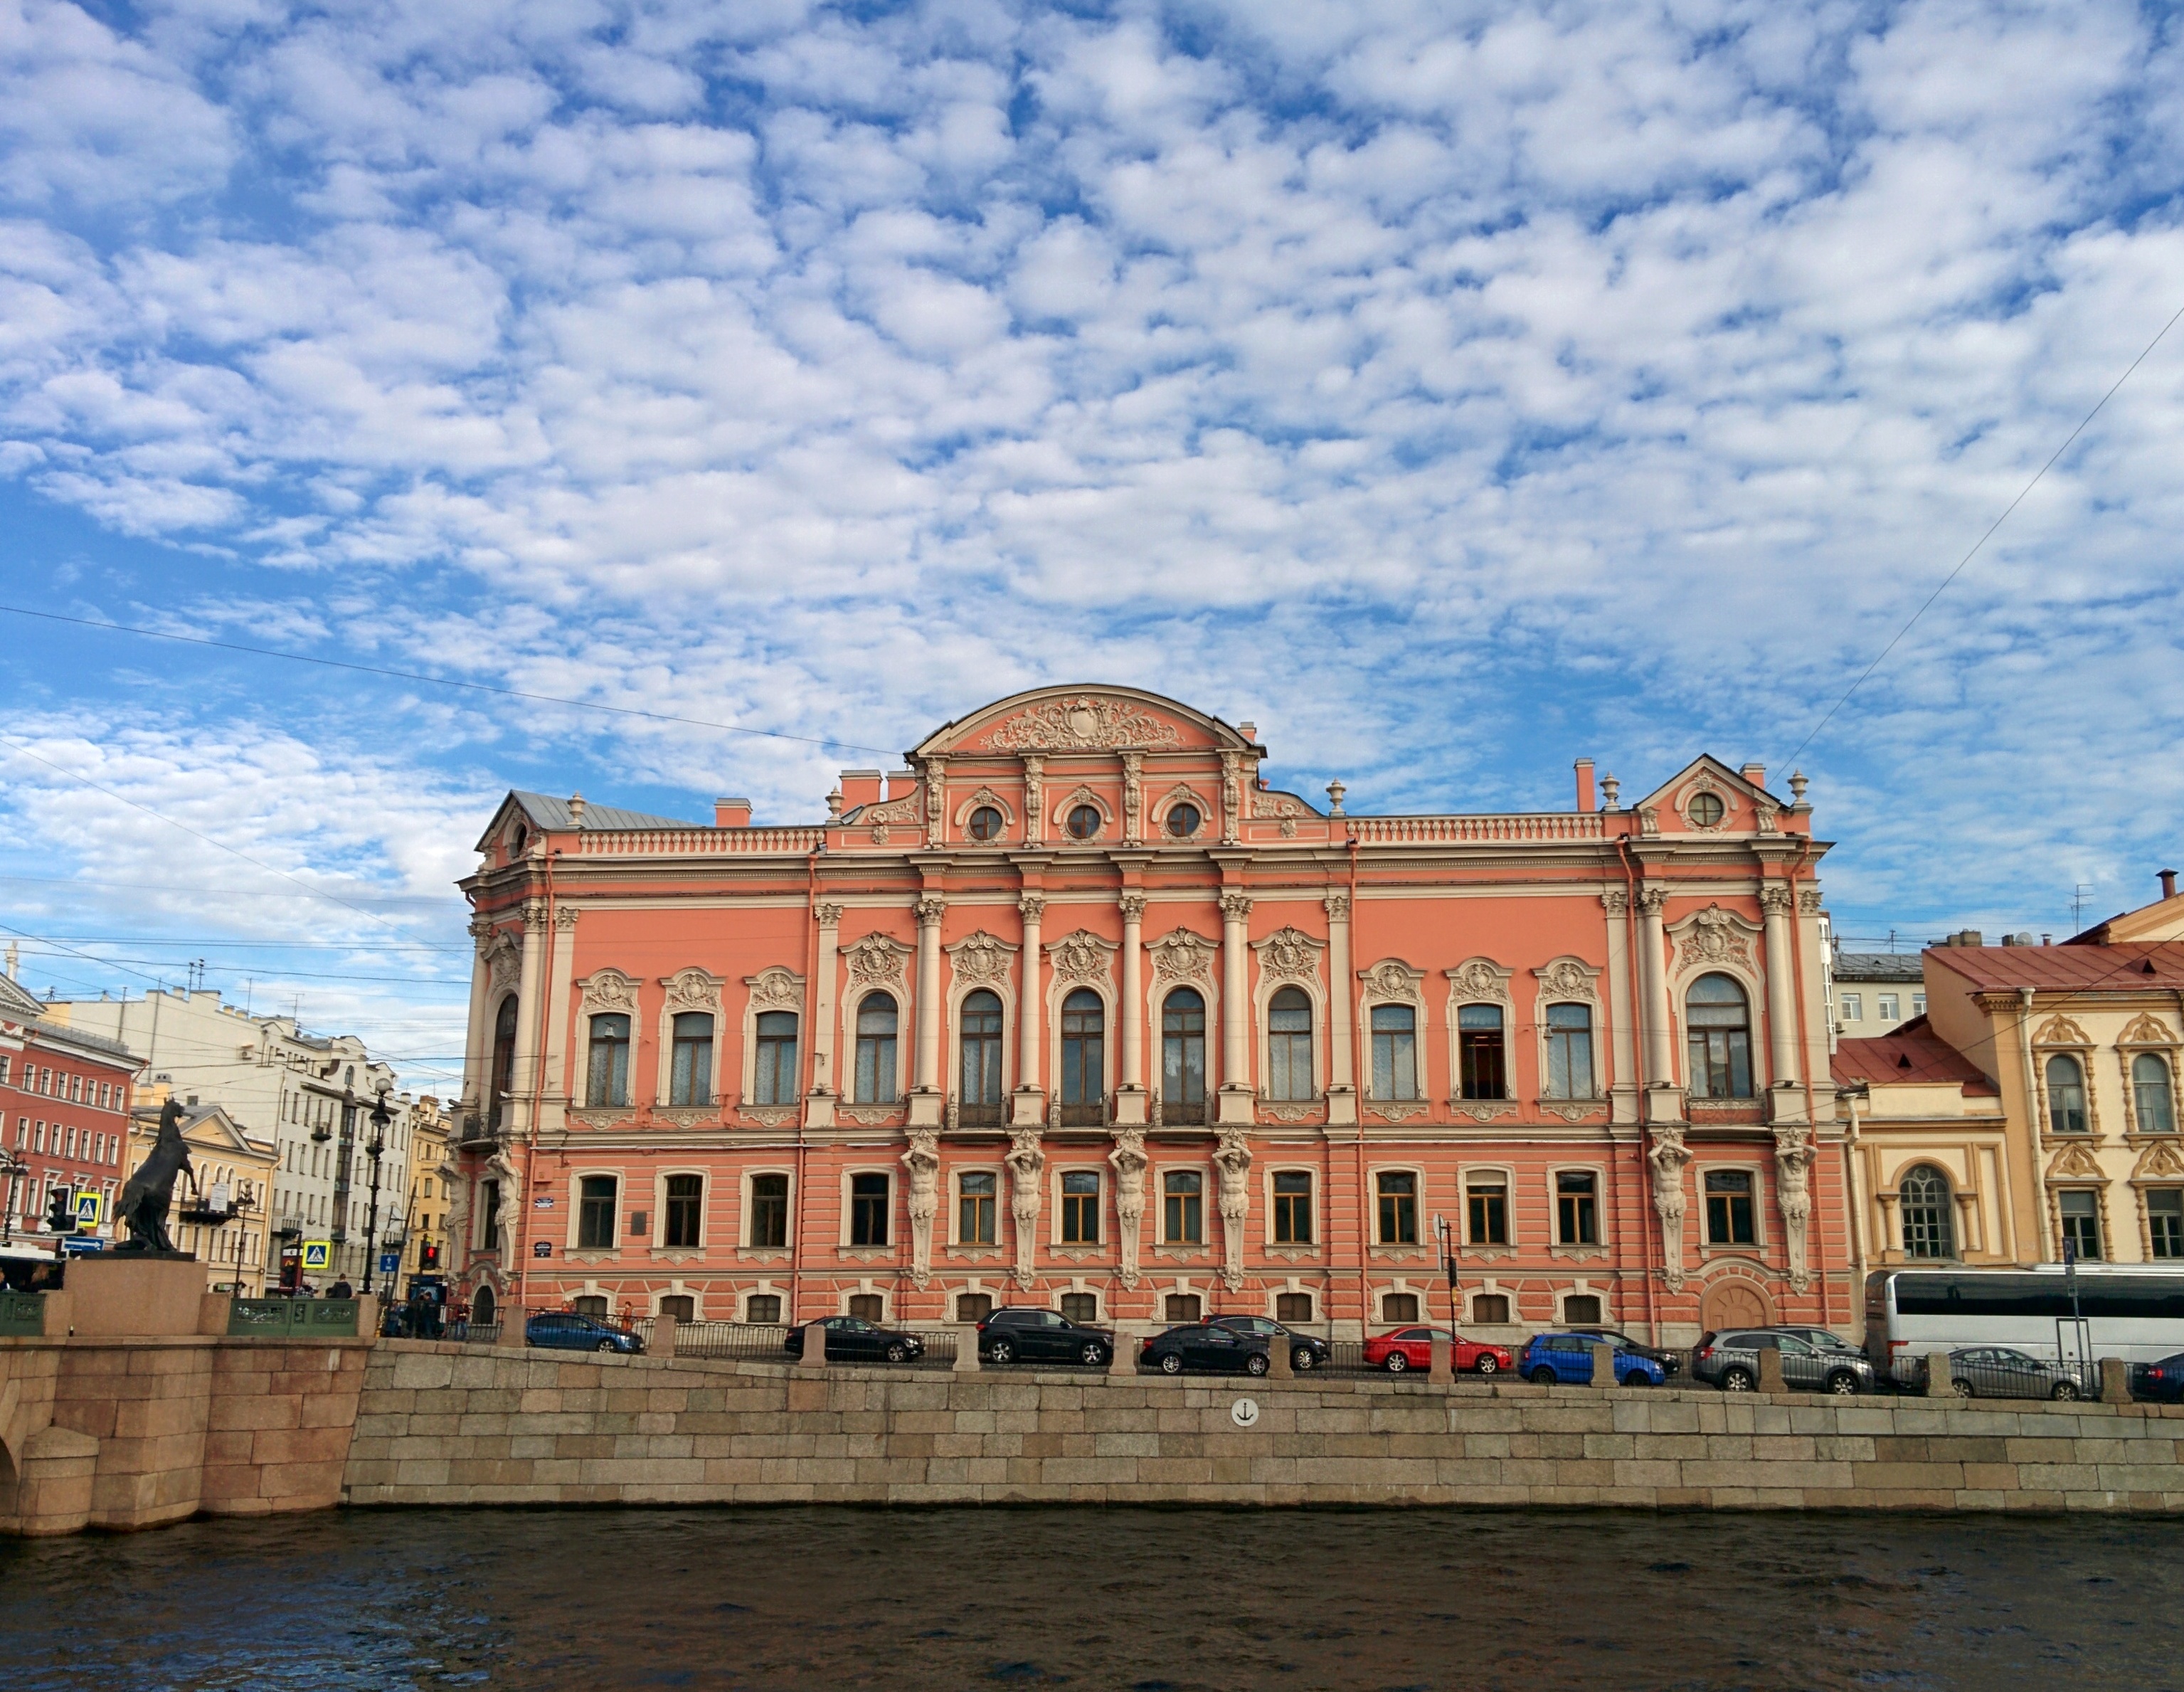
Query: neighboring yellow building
[[234, 1172], [424, 1252]]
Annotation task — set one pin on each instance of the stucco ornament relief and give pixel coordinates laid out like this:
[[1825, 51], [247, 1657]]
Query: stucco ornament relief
[[1080, 956], [1027, 1164], [1232, 795], [1234, 1162], [500, 1168], [1667, 1158], [1133, 796], [1565, 978], [1479, 980], [1086, 723], [1182, 956], [1034, 770], [922, 1162], [1705, 783], [2146, 1030], [1129, 1159], [775, 989], [877, 960], [982, 958], [1712, 937], [1793, 1194], [1390, 981], [1285, 808], [693, 989], [910, 809], [2060, 1031], [609, 990], [1289, 954], [2160, 1160], [2075, 1162]]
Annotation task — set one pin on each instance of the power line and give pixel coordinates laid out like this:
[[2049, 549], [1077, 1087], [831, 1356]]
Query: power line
[[443, 681], [236, 892], [1978, 544]]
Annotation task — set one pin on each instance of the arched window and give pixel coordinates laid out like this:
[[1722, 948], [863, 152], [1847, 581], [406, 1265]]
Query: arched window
[[1084, 1058], [2066, 1096], [773, 1079], [2149, 1095], [504, 1061], [979, 1023], [1569, 1051], [690, 1072], [1720, 1024], [1183, 1056], [1289, 1044], [1482, 1065], [876, 1019], [607, 1076], [1395, 1052], [1929, 1230]]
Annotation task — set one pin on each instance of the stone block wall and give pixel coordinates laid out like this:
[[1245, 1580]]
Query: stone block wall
[[439, 1425]]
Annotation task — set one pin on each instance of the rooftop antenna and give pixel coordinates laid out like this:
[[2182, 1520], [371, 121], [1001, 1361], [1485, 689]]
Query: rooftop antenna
[[197, 974], [2078, 907]]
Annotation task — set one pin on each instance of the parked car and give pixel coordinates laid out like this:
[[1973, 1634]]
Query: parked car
[[2001, 1371], [852, 1339], [1731, 1361], [1550, 1359], [566, 1331], [1408, 1349], [2160, 1382], [1671, 1362], [1205, 1346], [1307, 1352], [1042, 1336]]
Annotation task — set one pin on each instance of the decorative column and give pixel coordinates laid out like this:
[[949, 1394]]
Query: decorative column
[[1622, 1090], [1341, 1070], [936, 800], [922, 1162], [1775, 901], [477, 1043], [1235, 1008], [1232, 797], [553, 1100], [1130, 1093], [930, 909], [1034, 768], [1030, 1020], [1653, 970], [820, 1018], [530, 1024], [1026, 1165]]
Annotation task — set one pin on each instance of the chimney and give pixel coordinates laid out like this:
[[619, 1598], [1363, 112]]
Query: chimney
[[1250, 731], [732, 814], [2168, 889], [1584, 784], [860, 787], [1755, 774], [899, 782]]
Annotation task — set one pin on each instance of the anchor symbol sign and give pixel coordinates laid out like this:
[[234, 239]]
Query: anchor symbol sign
[[1244, 1413]]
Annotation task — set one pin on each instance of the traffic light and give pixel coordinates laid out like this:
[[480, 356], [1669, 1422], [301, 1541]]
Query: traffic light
[[60, 1211], [428, 1255]]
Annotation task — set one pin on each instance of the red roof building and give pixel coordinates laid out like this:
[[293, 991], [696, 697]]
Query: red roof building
[[64, 1100]]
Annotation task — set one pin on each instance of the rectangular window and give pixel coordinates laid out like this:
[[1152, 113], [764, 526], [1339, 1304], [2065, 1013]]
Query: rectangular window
[[1181, 1307], [1577, 1208], [868, 1209], [868, 1307], [1398, 1192], [1918, 1004], [1080, 1207], [2082, 1223], [974, 1306], [1292, 1307], [2164, 1221], [607, 1080], [1394, 1052], [1081, 1308], [1853, 1007], [1729, 1207], [1399, 1307], [1481, 1063], [762, 1307], [975, 1194], [1486, 1209], [774, 1080], [1569, 1051], [1489, 1308], [595, 1213], [1183, 1210], [1292, 1207], [769, 1212], [1891, 1006], [690, 1067], [686, 1209]]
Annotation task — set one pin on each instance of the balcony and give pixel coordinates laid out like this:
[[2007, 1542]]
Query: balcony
[[970, 1116], [1092, 1114]]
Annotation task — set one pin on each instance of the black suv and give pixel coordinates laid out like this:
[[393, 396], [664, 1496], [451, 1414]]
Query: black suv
[[1305, 1352], [1042, 1337]]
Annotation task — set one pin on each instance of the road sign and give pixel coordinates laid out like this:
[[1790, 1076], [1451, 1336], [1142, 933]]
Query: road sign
[[318, 1254], [541, 1248], [78, 1245], [389, 1262], [90, 1209]]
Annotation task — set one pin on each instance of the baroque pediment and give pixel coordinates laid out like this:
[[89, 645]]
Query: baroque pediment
[[2146, 1030], [2060, 1031], [1061, 720], [2161, 1161], [2075, 1163]]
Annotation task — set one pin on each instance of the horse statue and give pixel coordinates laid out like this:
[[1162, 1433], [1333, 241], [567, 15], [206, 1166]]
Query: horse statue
[[147, 1194]]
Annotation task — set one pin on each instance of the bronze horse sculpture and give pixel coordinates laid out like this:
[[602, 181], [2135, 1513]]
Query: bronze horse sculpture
[[146, 1194]]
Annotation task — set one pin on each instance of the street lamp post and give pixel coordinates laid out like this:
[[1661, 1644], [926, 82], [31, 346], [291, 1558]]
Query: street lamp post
[[380, 1120]]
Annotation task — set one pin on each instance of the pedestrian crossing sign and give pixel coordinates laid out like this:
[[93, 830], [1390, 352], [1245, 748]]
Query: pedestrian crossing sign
[[318, 1254], [90, 1210]]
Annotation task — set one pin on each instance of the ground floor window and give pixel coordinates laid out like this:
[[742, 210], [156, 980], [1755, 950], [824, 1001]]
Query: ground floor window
[[1292, 1307], [2082, 1223], [1729, 1207], [680, 1305], [2164, 1221], [762, 1307], [869, 1307], [1399, 1307], [1486, 1202], [1490, 1308], [974, 1306], [1581, 1307], [591, 1304], [1181, 1307], [1081, 1308]]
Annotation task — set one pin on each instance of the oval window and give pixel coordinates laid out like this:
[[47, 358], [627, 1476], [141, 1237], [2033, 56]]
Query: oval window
[[1183, 821], [1084, 821], [1706, 809], [985, 823]]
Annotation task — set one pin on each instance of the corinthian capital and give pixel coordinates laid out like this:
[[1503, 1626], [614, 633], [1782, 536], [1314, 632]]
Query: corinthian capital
[[1338, 906], [1774, 899], [1235, 906], [829, 914], [1652, 901], [1032, 907], [1133, 907], [565, 917], [930, 908]]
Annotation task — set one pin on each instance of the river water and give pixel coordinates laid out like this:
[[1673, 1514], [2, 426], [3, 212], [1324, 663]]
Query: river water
[[1154, 1600]]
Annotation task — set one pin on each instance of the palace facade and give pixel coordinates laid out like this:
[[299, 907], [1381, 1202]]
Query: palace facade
[[1076, 1010]]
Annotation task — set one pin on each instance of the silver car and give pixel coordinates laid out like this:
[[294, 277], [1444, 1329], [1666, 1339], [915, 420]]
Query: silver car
[[1731, 1362], [2000, 1372]]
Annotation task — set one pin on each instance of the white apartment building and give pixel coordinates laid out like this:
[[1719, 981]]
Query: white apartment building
[[310, 1096]]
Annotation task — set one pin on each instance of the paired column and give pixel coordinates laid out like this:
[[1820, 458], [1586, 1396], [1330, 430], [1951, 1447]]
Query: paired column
[[560, 978], [530, 1017], [1032, 907], [1134, 990], [1653, 968], [930, 909], [1235, 1006], [477, 1043], [1341, 1067], [819, 997], [1774, 902]]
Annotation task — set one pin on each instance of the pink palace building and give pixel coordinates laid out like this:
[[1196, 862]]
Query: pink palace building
[[1076, 1011]]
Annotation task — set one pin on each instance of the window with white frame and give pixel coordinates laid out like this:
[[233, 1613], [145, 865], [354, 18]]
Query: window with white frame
[[773, 1079], [2164, 1221], [1182, 1207], [1080, 1207], [1481, 1053], [2066, 1096], [1853, 1007], [596, 1196], [1395, 1052], [1486, 1207], [1891, 1006], [1289, 1044], [1293, 1219], [1569, 1051], [769, 1212], [1396, 1192], [607, 1072], [2150, 1096], [876, 1039], [690, 1068], [1577, 1208], [1729, 1213], [977, 1195], [869, 1208]]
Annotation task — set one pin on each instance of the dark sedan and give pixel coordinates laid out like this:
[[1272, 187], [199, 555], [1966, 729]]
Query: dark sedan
[[2160, 1382], [566, 1331], [1307, 1352], [1205, 1348], [851, 1339]]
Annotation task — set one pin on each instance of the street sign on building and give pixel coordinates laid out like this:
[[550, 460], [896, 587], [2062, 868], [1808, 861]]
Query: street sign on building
[[318, 1254]]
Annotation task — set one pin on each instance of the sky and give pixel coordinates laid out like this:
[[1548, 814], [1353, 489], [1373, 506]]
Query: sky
[[1452, 390]]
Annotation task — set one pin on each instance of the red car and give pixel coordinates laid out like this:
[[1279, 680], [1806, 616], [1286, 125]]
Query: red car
[[1408, 1349]]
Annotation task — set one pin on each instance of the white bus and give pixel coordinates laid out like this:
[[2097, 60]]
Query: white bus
[[2115, 1310]]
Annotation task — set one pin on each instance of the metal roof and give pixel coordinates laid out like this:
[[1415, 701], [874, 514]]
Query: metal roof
[[553, 814]]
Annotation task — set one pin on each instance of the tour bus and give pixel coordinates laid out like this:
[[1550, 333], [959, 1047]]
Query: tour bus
[[2126, 1310]]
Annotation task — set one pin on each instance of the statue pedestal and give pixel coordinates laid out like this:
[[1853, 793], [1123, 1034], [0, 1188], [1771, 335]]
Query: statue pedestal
[[134, 1297]]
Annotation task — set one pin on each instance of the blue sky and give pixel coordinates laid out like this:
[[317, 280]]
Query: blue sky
[[1453, 390]]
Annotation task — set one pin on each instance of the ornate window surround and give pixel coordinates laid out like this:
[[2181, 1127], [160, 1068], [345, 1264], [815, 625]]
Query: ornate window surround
[[1279, 956], [957, 1245], [1566, 980], [1464, 1245], [575, 1219], [750, 1209], [1184, 793], [972, 968], [604, 992], [1055, 1168], [660, 1248], [1287, 1249], [865, 1289], [2061, 1036], [691, 989], [1209, 1207], [885, 969], [760, 1289], [895, 1221], [2077, 1180], [1603, 1215], [1396, 1252], [1204, 977], [1481, 981], [2160, 1170], [1713, 941], [775, 988], [1762, 1203], [1401, 1287], [1705, 781], [2147, 1034], [1391, 981], [1082, 794], [1077, 944]]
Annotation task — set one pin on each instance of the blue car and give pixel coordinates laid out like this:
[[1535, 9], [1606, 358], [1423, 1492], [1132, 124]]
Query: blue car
[[566, 1331], [1566, 1359]]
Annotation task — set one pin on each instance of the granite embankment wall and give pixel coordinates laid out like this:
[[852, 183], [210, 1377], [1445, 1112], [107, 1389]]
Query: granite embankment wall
[[436, 1426]]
